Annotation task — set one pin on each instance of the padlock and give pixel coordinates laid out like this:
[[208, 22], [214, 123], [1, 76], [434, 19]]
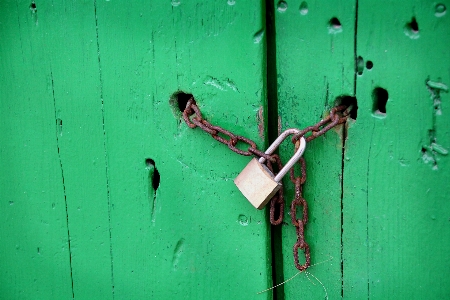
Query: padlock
[[257, 183]]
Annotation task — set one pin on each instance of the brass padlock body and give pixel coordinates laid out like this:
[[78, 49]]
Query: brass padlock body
[[257, 183]]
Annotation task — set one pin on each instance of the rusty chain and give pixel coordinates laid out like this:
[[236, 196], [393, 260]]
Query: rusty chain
[[300, 224], [338, 115]]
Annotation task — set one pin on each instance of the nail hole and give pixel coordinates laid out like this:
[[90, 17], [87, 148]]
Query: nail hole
[[33, 6], [178, 102], [348, 101], [282, 6], [154, 174], [369, 65], [413, 25], [303, 8], [334, 22], [334, 26], [59, 124], [440, 10], [380, 97], [359, 65], [150, 163], [412, 29]]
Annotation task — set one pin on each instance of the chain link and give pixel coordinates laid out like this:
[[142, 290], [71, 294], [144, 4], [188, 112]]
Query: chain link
[[338, 115], [277, 202], [299, 224], [193, 118]]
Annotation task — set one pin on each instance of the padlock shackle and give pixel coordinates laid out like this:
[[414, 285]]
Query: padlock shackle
[[298, 154]]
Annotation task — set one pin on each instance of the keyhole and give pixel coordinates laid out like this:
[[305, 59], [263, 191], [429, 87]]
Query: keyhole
[[380, 97]]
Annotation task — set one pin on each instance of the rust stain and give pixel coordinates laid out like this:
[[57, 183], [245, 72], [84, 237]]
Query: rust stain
[[339, 129], [279, 125], [261, 122]]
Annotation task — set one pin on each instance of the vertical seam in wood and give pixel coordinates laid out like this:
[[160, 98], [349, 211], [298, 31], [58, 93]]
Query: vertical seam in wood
[[57, 131], [344, 136], [367, 212], [272, 132], [355, 48], [105, 149]]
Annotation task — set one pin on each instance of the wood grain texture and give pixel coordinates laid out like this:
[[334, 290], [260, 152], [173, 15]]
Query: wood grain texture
[[90, 93], [196, 236], [35, 258], [314, 67], [396, 191], [105, 193]]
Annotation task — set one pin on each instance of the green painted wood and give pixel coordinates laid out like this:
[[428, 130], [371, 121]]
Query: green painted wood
[[396, 209], [195, 236], [85, 96], [34, 253], [67, 102], [88, 119], [394, 233], [314, 67]]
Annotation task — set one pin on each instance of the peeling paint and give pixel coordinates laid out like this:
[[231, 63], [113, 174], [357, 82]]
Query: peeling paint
[[221, 84], [279, 125], [260, 117]]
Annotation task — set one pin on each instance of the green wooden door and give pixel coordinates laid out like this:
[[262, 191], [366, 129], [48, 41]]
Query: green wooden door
[[105, 193]]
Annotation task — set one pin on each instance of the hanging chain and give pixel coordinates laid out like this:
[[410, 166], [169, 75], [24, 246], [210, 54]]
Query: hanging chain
[[338, 115], [300, 224]]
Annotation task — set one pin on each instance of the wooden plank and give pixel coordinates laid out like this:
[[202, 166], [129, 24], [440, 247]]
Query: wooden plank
[[396, 233], [315, 63], [194, 236], [76, 87], [35, 258], [64, 52]]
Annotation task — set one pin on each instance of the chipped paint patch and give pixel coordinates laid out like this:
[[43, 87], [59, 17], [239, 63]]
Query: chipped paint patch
[[279, 125], [432, 151], [260, 117], [221, 84]]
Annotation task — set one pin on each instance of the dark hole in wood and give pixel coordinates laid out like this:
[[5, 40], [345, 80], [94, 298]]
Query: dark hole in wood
[[335, 22], [380, 97], [33, 6], [413, 25], [182, 99], [150, 163], [369, 64], [349, 101], [440, 10], [359, 65]]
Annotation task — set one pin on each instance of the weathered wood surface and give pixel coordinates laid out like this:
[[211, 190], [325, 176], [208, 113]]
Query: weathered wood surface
[[106, 193], [396, 233], [85, 90], [315, 66], [387, 229]]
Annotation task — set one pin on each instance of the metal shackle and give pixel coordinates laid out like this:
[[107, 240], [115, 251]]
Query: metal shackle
[[298, 154]]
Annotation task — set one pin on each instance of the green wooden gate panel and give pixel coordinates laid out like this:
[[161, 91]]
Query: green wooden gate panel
[[106, 194], [387, 233], [315, 66], [86, 107], [33, 232], [195, 236], [396, 181]]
